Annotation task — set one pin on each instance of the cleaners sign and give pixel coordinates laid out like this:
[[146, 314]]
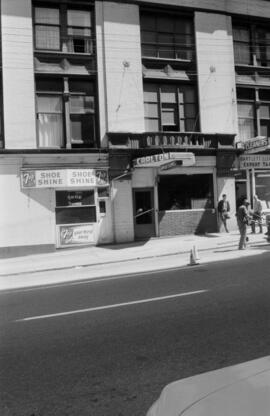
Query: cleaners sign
[[62, 178]]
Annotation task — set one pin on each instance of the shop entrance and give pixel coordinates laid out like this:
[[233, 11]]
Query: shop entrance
[[143, 207]]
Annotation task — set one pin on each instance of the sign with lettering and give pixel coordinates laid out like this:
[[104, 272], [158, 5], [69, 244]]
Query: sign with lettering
[[76, 234], [61, 178], [254, 161], [161, 159], [257, 144]]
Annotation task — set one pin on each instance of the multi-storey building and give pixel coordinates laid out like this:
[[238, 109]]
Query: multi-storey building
[[124, 120]]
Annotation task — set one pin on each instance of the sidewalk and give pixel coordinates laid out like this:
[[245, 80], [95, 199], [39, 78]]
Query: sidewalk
[[106, 256]]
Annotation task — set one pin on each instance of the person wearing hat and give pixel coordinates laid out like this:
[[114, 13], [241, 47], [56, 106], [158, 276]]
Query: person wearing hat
[[243, 220]]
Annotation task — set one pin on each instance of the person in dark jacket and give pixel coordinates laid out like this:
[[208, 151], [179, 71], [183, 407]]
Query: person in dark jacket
[[223, 212], [243, 219]]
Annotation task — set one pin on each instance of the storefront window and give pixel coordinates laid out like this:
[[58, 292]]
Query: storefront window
[[75, 207], [262, 181], [178, 192]]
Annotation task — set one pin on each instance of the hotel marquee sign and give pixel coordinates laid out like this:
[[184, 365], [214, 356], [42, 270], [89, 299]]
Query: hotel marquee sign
[[62, 178]]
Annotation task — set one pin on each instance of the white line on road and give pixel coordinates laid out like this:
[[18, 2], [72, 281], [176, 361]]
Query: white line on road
[[116, 305]]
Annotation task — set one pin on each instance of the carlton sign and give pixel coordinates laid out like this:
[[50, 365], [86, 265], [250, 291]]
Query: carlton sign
[[171, 159]]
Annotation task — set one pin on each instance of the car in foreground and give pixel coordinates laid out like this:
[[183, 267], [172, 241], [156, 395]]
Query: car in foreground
[[239, 390]]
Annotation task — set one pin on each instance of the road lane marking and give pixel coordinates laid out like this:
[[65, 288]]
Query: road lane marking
[[113, 306]]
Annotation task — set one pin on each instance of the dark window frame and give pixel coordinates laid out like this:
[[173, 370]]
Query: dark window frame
[[258, 49], [65, 39], [179, 88], [65, 93], [174, 47], [257, 102], [60, 209]]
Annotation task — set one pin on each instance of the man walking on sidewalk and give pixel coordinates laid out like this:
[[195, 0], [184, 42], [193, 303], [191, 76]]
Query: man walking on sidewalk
[[223, 211], [242, 221]]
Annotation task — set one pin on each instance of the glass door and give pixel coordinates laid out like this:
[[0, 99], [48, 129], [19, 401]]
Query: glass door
[[144, 218]]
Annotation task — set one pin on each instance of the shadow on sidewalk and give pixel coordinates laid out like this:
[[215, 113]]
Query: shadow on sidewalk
[[120, 246]]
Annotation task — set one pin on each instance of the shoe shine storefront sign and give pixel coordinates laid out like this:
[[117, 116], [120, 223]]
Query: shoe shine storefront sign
[[76, 193], [63, 178]]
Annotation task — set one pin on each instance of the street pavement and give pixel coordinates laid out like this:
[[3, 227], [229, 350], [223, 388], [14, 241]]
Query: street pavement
[[107, 346], [110, 260]]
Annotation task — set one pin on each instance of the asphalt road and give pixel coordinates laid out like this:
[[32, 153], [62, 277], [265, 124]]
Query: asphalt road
[[107, 347]]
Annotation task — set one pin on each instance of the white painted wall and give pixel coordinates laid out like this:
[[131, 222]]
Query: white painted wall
[[118, 42], [105, 225], [144, 177], [123, 211], [227, 186], [18, 74], [216, 76], [27, 216]]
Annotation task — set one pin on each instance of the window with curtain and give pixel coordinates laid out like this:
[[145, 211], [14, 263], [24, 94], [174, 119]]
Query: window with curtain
[[246, 120], [79, 31], [253, 112], [167, 37], [47, 28], [242, 51], [170, 107], [50, 121], [62, 29], [55, 109]]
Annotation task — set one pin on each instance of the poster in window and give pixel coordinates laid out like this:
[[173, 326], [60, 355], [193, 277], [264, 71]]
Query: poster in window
[[76, 234]]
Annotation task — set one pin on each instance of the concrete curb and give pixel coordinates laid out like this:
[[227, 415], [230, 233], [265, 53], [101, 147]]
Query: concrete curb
[[61, 268]]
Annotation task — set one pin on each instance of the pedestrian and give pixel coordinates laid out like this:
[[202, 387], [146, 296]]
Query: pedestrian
[[243, 221], [257, 215], [223, 212]]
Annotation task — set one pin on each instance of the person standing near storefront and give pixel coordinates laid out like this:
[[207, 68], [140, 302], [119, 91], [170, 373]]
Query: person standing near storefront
[[257, 214], [223, 212], [243, 221]]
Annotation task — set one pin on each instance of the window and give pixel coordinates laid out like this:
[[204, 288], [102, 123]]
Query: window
[[47, 28], [178, 192], [75, 207], [241, 37], [263, 46], [65, 113], [170, 107], [251, 45], [264, 112], [253, 112], [63, 29], [167, 37]]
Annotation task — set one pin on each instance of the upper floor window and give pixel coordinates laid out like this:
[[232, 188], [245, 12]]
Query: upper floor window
[[251, 45], [62, 29], [253, 112], [167, 37], [65, 113], [170, 107]]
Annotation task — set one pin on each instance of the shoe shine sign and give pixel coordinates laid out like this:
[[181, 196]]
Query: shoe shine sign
[[59, 178]]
